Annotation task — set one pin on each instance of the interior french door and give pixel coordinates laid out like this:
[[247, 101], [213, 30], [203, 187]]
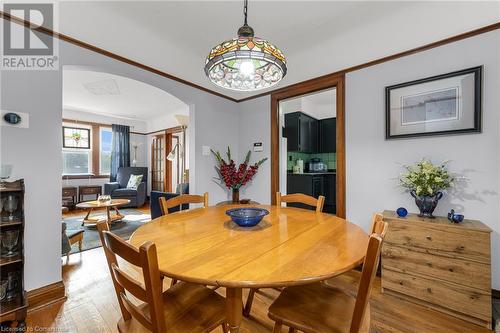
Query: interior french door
[[158, 161]]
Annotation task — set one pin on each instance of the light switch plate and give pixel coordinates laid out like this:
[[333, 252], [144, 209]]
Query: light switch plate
[[205, 150], [257, 146]]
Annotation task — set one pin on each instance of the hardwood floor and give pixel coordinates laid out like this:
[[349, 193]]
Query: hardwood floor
[[92, 306]]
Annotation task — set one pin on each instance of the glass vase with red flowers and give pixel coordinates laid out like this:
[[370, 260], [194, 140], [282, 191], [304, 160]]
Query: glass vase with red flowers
[[234, 177]]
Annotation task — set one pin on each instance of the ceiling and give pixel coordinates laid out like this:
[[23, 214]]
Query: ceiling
[[116, 96], [317, 37]]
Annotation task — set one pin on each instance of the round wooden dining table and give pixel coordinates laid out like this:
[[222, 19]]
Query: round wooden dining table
[[290, 246]]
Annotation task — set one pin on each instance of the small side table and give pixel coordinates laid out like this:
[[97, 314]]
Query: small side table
[[69, 196], [89, 190]]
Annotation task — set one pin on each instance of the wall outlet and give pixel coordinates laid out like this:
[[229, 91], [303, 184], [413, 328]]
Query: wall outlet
[[205, 150]]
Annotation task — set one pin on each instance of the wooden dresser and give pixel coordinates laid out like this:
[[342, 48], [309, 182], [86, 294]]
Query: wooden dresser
[[439, 264]]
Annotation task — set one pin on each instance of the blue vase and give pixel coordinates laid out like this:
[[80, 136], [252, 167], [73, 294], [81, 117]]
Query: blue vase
[[426, 203]]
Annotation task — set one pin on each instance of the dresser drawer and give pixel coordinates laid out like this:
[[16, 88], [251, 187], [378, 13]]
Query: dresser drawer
[[452, 242], [68, 192], [463, 272], [462, 299], [90, 190]]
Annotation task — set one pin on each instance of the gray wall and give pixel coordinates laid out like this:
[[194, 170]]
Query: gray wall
[[255, 126], [35, 153], [373, 163]]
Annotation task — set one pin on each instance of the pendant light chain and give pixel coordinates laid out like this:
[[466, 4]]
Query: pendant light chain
[[245, 11]]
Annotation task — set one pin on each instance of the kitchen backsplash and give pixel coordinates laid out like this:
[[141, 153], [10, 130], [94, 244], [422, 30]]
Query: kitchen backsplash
[[329, 158]]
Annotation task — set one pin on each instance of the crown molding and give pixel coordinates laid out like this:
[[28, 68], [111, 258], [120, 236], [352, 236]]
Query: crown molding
[[118, 57]]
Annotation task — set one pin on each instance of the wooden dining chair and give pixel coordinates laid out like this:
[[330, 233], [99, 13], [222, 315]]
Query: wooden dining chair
[[183, 308], [349, 281], [301, 198], [182, 199], [315, 307], [292, 198]]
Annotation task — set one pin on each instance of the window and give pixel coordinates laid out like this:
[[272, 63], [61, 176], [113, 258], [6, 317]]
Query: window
[[76, 162], [76, 137], [86, 149], [105, 141], [77, 152]]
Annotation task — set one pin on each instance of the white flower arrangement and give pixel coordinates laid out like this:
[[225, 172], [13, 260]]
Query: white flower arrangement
[[425, 178]]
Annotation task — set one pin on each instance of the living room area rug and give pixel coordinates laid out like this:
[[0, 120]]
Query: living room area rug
[[133, 219]]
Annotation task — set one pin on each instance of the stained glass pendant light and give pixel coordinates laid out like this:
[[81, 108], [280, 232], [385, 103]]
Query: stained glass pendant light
[[245, 63]]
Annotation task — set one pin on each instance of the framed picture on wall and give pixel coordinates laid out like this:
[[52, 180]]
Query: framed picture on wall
[[442, 104], [76, 137]]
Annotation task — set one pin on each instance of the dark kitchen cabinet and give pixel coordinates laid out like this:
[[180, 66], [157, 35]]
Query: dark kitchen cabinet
[[328, 135], [301, 132], [330, 187], [313, 185]]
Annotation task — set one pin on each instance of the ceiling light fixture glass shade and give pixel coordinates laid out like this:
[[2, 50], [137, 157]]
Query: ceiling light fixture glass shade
[[245, 63]]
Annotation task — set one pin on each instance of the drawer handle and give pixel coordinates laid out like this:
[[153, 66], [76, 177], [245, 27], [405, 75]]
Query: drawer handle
[[428, 237]]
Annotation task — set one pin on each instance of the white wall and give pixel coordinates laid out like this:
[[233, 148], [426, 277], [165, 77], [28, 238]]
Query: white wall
[[373, 163], [254, 126], [35, 154]]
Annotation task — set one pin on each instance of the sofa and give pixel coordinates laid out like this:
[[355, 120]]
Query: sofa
[[119, 190], [155, 200]]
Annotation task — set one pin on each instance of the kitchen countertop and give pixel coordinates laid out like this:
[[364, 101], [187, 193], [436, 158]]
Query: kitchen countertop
[[313, 173]]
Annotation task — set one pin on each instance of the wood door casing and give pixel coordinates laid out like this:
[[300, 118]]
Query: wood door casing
[[315, 85]]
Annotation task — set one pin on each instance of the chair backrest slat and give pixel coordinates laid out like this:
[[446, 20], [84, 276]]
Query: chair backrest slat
[[182, 199], [124, 250], [301, 198], [146, 258], [378, 225], [365, 284], [129, 284]]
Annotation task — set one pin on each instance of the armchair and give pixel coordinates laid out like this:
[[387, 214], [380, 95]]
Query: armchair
[[119, 190], [155, 199]]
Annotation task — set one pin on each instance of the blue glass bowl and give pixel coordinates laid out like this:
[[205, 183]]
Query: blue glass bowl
[[247, 217]]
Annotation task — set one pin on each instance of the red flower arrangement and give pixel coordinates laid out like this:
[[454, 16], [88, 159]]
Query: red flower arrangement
[[232, 177]]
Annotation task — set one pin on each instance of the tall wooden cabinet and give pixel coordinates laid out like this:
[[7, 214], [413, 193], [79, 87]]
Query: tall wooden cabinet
[[13, 303], [442, 265]]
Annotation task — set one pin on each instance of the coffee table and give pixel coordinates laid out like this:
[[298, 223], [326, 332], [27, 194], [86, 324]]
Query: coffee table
[[110, 218]]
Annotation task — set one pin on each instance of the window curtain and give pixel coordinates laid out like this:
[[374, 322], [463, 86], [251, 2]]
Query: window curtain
[[120, 149]]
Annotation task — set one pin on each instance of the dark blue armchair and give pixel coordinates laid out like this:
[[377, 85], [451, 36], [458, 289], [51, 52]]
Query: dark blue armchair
[[119, 190], [155, 200]]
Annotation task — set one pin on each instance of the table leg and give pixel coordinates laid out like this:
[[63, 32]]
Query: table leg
[[234, 309], [108, 215], [86, 216], [118, 213]]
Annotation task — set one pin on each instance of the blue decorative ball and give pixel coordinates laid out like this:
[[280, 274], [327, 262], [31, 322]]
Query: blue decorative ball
[[402, 212]]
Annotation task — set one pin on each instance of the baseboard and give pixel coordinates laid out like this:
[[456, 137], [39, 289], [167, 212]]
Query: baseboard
[[46, 295]]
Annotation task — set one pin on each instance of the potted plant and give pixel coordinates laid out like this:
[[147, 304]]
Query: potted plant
[[235, 177], [426, 183]]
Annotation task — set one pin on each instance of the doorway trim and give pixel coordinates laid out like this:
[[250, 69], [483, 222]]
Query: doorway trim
[[310, 86]]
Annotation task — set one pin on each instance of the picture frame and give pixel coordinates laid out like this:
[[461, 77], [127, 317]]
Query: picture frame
[[438, 105], [76, 137]]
